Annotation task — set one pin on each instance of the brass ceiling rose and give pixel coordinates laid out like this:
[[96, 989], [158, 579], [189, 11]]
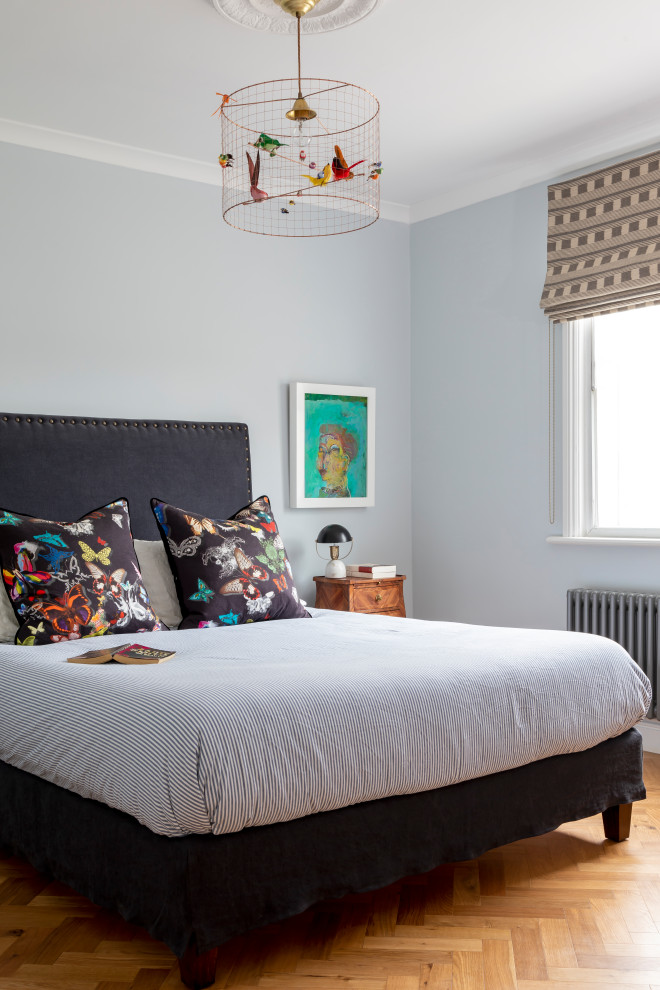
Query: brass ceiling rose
[[298, 8]]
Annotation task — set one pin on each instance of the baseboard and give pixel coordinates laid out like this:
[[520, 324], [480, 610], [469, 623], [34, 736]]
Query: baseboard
[[650, 730]]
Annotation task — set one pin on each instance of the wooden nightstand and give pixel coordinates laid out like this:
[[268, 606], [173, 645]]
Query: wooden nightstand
[[381, 597]]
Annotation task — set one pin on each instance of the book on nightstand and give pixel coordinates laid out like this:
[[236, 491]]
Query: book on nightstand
[[373, 571], [133, 653]]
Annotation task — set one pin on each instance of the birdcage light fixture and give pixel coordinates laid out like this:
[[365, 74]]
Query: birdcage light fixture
[[301, 156]]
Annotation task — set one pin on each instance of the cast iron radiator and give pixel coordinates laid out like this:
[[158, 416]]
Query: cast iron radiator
[[633, 620]]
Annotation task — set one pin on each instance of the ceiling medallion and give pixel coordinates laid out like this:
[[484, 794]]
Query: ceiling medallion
[[260, 15]]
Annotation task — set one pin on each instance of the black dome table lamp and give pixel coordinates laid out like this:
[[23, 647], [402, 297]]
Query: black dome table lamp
[[332, 536]]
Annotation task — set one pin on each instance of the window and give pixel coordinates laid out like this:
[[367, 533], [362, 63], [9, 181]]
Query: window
[[611, 435]]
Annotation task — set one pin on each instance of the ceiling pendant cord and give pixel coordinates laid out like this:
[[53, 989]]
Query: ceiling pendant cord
[[552, 431]]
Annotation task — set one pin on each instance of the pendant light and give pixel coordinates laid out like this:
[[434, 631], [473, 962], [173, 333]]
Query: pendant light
[[301, 156]]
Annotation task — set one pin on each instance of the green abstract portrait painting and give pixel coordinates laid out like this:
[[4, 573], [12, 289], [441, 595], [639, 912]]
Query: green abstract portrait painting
[[332, 439]]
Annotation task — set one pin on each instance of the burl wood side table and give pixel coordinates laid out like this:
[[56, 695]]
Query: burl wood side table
[[383, 596]]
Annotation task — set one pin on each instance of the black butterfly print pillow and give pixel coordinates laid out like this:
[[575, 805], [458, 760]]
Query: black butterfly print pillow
[[73, 580], [228, 571]]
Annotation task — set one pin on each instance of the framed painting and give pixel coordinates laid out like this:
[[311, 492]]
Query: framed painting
[[332, 445]]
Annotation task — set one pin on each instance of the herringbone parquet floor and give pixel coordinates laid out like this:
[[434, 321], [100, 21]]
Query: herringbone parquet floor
[[565, 911]]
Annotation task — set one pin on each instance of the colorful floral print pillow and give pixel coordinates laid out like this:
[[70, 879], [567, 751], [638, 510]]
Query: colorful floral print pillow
[[73, 580], [228, 571]]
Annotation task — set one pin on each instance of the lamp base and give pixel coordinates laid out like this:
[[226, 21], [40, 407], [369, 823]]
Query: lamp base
[[335, 569]]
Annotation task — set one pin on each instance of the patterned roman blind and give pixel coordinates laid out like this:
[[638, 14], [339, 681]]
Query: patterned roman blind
[[604, 241]]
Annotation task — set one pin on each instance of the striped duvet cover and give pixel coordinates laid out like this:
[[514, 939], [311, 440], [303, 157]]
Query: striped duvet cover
[[271, 721]]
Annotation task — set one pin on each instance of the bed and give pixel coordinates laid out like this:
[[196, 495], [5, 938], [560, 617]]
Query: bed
[[195, 891]]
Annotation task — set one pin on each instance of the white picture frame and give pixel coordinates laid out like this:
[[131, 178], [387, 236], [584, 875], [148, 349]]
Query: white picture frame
[[346, 450]]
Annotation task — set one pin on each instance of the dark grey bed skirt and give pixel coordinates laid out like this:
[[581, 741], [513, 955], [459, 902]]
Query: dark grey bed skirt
[[210, 888]]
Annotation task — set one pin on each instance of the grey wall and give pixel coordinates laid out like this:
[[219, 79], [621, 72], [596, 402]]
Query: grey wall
[[124, 294], [479, 386]]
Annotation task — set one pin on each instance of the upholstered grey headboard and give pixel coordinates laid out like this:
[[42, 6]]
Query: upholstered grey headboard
[[61, 467]]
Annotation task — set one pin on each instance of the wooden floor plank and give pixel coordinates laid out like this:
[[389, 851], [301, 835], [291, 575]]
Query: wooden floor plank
[[396, 982], [466, 884], [321, 934], [585, 976], [440, 891], [563, 911], [291, 982], [499, 965], [557, 943], [584, 931], [451, 931], [492, 880], [412, 905], [563, 985], [436, 976], [528, 953], [149, 979], [468, 971], [430, 944], [610, 920], [382, 920], [353, 927]]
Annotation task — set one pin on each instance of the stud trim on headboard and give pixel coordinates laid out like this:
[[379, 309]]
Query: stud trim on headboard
[[60, 467]]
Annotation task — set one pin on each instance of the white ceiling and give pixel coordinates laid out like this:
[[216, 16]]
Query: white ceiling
[[477, 98]]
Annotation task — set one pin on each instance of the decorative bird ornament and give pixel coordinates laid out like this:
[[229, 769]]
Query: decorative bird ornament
[[376, 170], [339, 167], [226, 161], [268, 144], [322, 178], [225, 100], [254, 167]]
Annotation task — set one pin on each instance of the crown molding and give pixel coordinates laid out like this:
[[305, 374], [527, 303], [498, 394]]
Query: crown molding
[[141, 159], [108, 152], [567, 161], [398, 212], [564, 163]]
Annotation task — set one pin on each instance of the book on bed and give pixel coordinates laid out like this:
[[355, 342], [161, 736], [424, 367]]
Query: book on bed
[[133, 653]]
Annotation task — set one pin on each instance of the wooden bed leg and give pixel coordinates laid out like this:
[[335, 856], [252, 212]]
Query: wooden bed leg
[[198, 970], [616, 822]]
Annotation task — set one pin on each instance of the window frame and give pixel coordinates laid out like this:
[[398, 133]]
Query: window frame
[[578, 448], [576, 428]]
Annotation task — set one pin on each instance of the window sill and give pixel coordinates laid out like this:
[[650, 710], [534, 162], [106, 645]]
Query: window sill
[[605, 541]]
